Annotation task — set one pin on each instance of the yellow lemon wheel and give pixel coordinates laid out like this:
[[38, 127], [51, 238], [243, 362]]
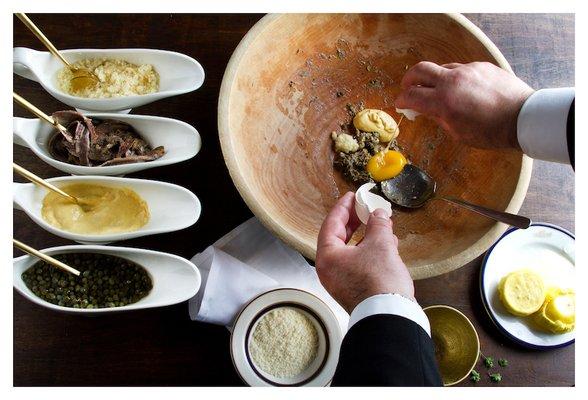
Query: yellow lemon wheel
[[522, 292]]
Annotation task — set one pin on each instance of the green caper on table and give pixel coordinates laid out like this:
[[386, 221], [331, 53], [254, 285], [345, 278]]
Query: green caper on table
[[105, 281]]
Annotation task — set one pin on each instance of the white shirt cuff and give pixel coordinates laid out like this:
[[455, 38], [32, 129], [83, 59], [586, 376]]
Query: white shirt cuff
[[542, 124], [390, 303]]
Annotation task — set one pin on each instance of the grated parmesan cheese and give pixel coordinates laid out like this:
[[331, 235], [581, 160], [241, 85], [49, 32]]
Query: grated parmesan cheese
[[117, 78], [284, 343]]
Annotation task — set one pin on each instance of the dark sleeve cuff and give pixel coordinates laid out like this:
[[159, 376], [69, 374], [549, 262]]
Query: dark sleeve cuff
[[387, 350]]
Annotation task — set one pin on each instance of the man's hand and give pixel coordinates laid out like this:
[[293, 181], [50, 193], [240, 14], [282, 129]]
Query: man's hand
[[476, 103], [354, 273]]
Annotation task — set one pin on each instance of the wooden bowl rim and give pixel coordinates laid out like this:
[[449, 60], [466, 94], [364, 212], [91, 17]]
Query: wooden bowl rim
[[309, 249]]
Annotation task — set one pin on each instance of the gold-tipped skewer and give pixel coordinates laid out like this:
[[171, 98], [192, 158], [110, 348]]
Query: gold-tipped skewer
[[40, 181], [45, 257], [25, 103], [82, 77]]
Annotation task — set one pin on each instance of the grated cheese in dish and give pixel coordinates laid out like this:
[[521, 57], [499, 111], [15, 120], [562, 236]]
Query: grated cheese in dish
[[284, 343], [117, 78]]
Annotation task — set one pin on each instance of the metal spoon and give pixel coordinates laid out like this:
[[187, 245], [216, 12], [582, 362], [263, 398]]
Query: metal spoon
[[413, 187], [82, 78]]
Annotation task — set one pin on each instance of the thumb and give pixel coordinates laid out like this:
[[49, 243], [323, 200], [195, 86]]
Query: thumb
[[379, 227]]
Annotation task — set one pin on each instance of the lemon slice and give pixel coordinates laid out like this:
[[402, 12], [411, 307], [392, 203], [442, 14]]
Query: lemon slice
[[522, 292], [558, 312]]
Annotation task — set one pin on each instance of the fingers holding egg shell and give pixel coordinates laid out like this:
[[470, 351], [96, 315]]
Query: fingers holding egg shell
[[408, 113], [367, 202]]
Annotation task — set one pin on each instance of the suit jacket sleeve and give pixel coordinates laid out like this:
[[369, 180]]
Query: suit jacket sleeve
[[545, 125], [387, 350]]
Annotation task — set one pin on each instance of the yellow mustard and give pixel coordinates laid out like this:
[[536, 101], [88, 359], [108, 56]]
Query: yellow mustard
[[104, 210], [371, 120]]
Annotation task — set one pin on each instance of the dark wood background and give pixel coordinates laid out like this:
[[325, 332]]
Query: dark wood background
[[162, 346]]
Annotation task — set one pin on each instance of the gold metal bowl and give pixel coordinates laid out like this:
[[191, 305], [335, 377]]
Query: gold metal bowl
[[457, 345]]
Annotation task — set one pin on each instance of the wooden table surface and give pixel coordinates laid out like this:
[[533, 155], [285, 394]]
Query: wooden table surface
[[162, 346]]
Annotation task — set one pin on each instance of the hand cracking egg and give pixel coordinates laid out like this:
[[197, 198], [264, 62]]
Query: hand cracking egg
[[367, 202]]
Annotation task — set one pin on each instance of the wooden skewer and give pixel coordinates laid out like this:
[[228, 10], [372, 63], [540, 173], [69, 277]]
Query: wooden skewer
[[20, 100], [40, 181], [45, 257], [80, 74], [37, 32]]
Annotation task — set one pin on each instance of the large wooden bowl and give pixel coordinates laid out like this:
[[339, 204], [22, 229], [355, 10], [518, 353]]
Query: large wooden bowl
[[287, 87]]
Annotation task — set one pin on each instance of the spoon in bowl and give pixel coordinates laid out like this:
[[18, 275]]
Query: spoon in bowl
[[413, 187], [82, 77], [48, 259], [20, 100], [85, 205]]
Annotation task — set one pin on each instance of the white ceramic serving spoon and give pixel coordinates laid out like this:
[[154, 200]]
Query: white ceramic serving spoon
[[175, 279], [171, 207], [181, 142], [178, 74]]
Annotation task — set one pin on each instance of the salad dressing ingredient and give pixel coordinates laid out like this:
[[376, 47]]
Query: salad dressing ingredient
[[522, 292], [106, 209], [284, 342], [117, 78], [371, 120], [386, 165], [105, 281], [558, 312]]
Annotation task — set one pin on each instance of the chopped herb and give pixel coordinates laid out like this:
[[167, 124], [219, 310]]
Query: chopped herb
[[488, 362], [495, 377], [503, 362], [475, 376]]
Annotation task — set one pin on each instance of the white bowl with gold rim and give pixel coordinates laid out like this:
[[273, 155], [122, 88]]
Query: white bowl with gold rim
[[320, 371]]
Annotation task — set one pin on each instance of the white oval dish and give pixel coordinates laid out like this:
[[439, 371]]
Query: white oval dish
[[171, 207], [320, 371], [181, 142], [178, 74], [545, 248], [175, 279]]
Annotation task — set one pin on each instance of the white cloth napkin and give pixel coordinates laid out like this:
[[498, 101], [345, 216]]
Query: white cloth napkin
[[244, 263]]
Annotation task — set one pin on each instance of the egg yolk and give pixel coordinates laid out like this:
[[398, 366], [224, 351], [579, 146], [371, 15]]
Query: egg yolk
[[385, 165]]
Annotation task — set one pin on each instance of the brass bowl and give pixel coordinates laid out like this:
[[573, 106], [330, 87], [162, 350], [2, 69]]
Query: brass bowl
[[457, 345]]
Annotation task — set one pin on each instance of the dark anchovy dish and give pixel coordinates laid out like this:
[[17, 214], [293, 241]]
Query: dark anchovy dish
[[98, 143]]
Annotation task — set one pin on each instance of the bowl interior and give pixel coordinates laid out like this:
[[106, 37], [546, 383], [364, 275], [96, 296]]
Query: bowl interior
[[316, 364], [456, 343], [174, 279], [279, 105]]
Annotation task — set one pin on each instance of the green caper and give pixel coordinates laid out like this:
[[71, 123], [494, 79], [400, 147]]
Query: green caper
[[105, 281]]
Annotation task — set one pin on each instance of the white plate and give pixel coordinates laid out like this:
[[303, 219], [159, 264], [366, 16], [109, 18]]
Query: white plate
[[321, 371], [544, 248]]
